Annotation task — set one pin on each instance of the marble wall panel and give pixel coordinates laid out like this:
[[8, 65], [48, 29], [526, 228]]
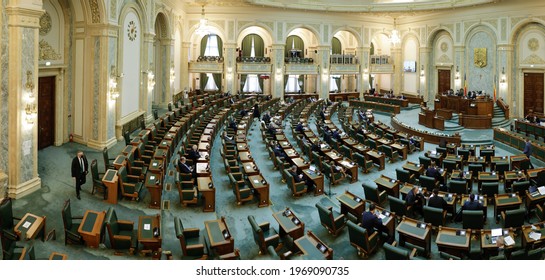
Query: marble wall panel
[[4, 116], [112, 45], [481, 78], [28, 60], [96, 85]]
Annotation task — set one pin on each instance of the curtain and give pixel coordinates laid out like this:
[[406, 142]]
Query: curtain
[[294, 42], [336, 47], [371, 52], [259, 46], [338, 82], [204, 81], [285, 81], [301, 81], [260, 83], [220, 47], [204, 42], [243, 79], [247, 46], [217, 80]]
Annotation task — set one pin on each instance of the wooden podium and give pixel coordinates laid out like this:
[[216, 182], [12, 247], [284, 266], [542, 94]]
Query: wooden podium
[[110, 180]]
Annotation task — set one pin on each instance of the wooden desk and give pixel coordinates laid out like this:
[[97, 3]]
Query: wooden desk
[[219, 236], [245, 156], [154, 184], [497, 159], [414, 168], [203, 169], [512, 176], [401, 149], [390, 185], [516, 161], [466, 175], [146, 228], [435, 156], [261, 187], [377, 157], [317, 178], [453, 241], [477, 160], [289, 224], [313, 248], [110, 180], [334, 155], [506, 201], [351, 203], [160, 154], [91, 227], [128, 150], [488, 242], [250, 168], [487, 177], [481, 198], [300, 163], [208, 193], [119, 161], [291, 153], [30, 226], [454, 158], [527, 241], [533, 199], [415, 232], [351, 168], [242, 147]]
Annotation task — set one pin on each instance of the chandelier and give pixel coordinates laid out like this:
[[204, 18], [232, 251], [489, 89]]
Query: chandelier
[[394, 38], [203, 24]]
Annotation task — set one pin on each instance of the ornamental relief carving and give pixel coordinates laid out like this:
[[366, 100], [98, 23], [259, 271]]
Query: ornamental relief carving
[[95, 13], [45, 23], [444, 59], [46, 51], [533, 44], [113, 9], [533, 59]]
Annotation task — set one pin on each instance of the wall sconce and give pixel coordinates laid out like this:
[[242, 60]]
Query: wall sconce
[[172, 74], [457, 74], [422, 71], [112, 87], [502, 79], [30, 108]]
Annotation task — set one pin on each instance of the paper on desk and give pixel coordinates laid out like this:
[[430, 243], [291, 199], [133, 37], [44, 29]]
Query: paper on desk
[[508, 240], [381, 216], [541, 190], [256, 181], [27, 224], [147, 226], [534, 235]]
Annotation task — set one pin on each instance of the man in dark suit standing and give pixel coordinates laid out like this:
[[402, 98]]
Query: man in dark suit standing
[[299, 128], [436, 201], [322, 115], [80, 168], [528, 151]]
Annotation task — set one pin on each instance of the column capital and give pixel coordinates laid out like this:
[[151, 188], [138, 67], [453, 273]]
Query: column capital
[[24, 16], [278, 46]]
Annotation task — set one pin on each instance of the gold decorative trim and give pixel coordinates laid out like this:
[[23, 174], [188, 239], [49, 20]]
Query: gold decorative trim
[[533, 59], [444, 59], [46, 51], [95, 13], [479, 57], [533, 44], [45, 23]]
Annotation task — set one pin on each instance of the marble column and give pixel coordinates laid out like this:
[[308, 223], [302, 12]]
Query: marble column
[[102, 111], [229, 67], [505, 63], [146, 95], [424, 80], [363, 77], [184, 70], [277, 83], [323, 76], [162, 73], [22, 164], [398, 69]]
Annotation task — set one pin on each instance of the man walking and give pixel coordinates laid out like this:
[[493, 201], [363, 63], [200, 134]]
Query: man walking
[[80, 168]]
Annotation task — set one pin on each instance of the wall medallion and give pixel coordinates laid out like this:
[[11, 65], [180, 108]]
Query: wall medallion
[[444, 47], [479, 57], [533, 44], [45, 23]]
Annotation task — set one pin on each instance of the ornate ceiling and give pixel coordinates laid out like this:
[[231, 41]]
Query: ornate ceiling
[[356, 6]]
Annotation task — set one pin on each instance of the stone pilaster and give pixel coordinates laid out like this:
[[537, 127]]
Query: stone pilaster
[[425, 53], [23, 23], [322, 59], [146, 99], [363, 77], [230, 67], [398, 69], [505, 63], [184, 71], [277, 58]]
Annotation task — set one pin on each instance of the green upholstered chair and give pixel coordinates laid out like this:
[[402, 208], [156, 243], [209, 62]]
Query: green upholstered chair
[[71, 234], [24, 253], [428, 182], [297, 189], [435, 216], [346, 151], [97, 179], [513, 218], [121, 233], [489, 188], [108, 162], [464, 153], [366, 165], [394, 252], [360, 239], [441, 150], [520, 187], [535, 254], [389, 152], [500, 168], [458, 187], [425, 161], [7, 219], [524, 165], [131, 186], [9, 248], [450, 165], [231, 165], [317, 160], [193, 245], [487, 154], [472, 219], [264, 235], [411, 147], [335, 176], [184, 176], [332, 220], [187, 192], [540, 213], [371, 143], [399, 207], [475, 168], [372, 193], [334, 144], [136, 167], [241, 190], [405, 176], [447, 256]]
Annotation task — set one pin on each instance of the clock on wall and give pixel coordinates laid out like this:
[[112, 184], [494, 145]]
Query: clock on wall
[[131, 30]]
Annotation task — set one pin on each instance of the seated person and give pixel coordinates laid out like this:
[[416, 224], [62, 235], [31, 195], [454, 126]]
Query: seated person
[[266, 117], [414, 142], [299, 128], [227, 138], [279, 152], [415, 200], [233, 124], [336, 135], [327, 135], [339, 169], [470, 204], [322, 115], [193, 155], [272, 128], [370, 221], [437, 201], [433, 172], [315, 147], [231, 100], [243, 112], [186, 169], [300, 178]]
